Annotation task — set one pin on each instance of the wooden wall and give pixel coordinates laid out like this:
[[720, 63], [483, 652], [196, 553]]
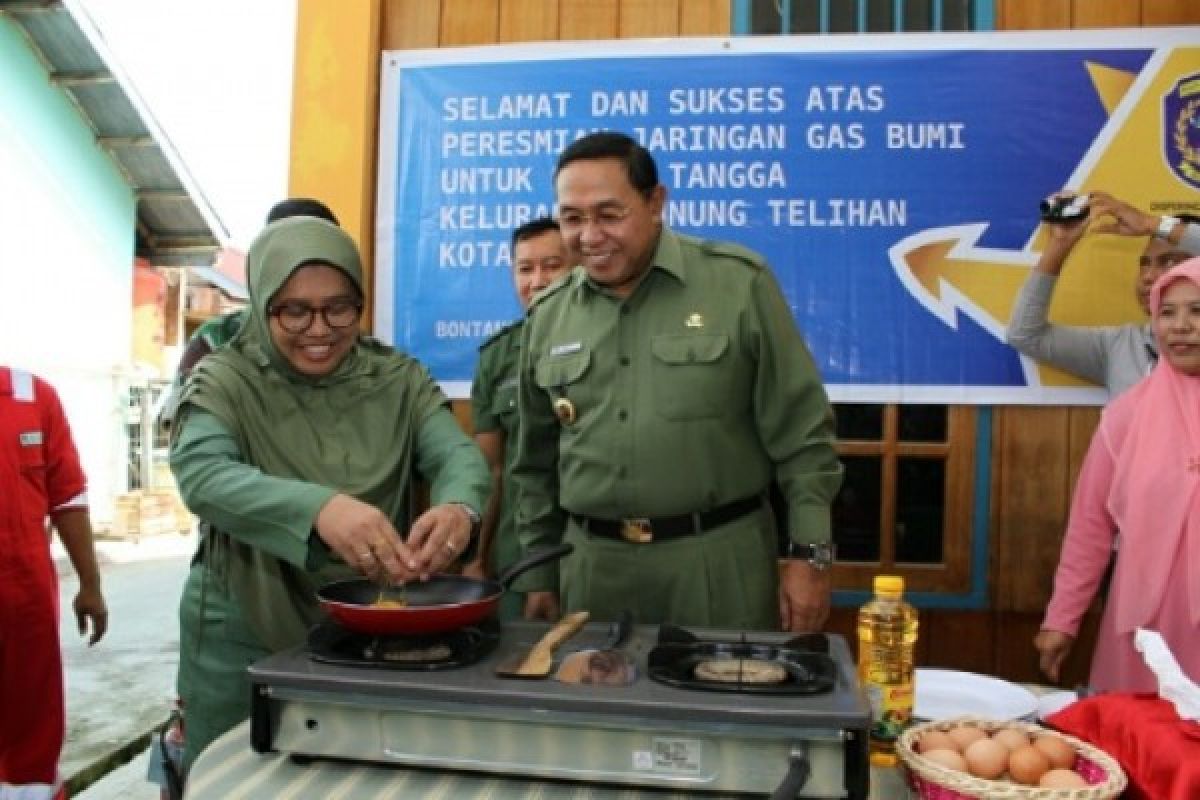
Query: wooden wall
[[1036, 451]]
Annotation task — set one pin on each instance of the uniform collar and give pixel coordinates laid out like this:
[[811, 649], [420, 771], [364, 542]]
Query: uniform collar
[[668, 257]]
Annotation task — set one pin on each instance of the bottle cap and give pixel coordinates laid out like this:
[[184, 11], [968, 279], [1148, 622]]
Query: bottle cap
[[889, 584]]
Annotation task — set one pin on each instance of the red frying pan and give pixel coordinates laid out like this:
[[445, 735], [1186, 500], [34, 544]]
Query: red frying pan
[[442, 603]]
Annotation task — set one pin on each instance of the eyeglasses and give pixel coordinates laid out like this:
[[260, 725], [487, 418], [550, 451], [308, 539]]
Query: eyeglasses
[[1163, 260], [298, 317], [604, 218]]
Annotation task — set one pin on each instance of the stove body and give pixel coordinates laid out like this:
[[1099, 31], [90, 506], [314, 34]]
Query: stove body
[[647, 734]]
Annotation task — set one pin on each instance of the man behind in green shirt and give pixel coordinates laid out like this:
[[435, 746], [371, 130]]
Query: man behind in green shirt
[[663, 386], [538, 258]]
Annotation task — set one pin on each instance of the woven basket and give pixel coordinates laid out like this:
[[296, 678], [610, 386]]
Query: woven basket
[[935, 782]]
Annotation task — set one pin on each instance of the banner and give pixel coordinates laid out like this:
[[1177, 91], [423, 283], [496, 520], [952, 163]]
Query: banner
[[891, 181]]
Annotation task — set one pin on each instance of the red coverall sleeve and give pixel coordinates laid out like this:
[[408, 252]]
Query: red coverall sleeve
[[64, 475]]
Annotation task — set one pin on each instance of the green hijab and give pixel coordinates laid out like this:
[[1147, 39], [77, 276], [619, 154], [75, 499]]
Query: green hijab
[[353, 430]]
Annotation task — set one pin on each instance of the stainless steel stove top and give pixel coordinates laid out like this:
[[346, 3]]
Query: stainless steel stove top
[[647, 733]]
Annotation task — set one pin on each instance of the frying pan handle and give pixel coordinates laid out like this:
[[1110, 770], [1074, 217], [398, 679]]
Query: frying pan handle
[[536, 558]]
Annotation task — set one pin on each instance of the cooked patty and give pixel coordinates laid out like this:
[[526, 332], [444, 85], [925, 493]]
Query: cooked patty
[[744, 670]]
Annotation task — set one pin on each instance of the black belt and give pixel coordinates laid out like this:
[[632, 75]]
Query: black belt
[[643, 530]]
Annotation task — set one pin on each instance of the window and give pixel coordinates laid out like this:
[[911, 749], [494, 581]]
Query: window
[[861, 16], [906, 503]]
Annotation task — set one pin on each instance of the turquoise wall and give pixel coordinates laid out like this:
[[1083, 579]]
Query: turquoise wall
[[67, 220]]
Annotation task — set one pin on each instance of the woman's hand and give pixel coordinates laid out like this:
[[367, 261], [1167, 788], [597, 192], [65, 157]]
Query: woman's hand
[[365, 539], [1053, 648], [438, 537]]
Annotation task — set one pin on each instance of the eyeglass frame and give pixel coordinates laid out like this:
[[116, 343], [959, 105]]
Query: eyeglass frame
[[607, 218], [311, 312]]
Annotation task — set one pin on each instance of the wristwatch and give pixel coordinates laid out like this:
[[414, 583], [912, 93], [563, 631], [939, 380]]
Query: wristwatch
[[819, 555], [1166, 225], [473, 515]]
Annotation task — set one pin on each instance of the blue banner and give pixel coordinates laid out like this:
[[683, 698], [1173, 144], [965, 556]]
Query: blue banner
[[867, 176]]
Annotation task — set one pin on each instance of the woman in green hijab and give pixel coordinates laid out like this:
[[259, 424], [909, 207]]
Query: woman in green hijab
[[296, 444]]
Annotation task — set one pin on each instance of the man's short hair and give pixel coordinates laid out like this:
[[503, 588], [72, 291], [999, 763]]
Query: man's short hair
[[301, 207], [639, 164], [535, 227]]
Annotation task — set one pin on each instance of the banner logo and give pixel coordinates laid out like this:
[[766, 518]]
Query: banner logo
[[1181, 123]]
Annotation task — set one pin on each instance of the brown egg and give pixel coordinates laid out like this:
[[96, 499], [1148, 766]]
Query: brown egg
[[986, 758], [1058, 752], [1062, 779], [1011, 738], [965, 735], [947, 758], [1027, 765], [936, 740]]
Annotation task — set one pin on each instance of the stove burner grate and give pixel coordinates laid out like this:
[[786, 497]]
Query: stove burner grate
[[330, 643], [801, 665]]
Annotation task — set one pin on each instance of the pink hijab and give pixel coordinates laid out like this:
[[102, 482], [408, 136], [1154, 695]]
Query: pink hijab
[[1155, 494]]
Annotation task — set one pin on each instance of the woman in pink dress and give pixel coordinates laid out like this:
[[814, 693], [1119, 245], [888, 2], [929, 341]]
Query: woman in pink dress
[[1141, 477]]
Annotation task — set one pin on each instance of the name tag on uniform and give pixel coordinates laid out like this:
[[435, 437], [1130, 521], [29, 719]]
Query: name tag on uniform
[[511, 383], [566, 349], [31, 439]]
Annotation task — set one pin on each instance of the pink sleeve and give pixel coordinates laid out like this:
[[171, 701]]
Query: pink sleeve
[[1087, 546]]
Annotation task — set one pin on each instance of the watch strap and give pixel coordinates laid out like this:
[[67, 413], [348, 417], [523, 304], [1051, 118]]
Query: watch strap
[[1166, 226]]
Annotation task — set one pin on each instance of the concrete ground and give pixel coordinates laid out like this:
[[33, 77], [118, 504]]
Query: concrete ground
[[122, 688]]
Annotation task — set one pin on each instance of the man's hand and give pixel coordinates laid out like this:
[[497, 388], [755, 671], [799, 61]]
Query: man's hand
[[1053, 648], [1122, 218], [90, 608], [475, 569], [803, 596], [542, 605], [439, 536]]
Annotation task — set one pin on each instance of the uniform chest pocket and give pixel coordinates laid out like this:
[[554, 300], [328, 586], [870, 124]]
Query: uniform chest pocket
[[31, 459], [691, 377], [504, 403], [560, 372]]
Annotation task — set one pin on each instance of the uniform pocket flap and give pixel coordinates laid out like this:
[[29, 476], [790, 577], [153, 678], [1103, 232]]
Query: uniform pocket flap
[[562, 370], [689, 349]]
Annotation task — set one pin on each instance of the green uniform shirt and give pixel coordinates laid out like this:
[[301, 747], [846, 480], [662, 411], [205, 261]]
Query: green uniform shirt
[[693, 392], [494, 410]]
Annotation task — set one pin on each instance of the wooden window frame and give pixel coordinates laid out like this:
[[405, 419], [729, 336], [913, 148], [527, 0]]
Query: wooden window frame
[[953, 573]]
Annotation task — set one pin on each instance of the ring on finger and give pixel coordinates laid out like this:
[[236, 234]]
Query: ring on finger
[[367, 555], [450, 548]]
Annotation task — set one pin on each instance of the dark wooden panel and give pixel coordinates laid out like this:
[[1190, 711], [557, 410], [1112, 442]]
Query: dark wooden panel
[[467, 22], [410, 24], [588, 19], [528, 20], [1026, 15]]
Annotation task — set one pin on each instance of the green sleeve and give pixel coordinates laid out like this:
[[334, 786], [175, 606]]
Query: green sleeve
[[451, 462], [482, 418], [793, 415], [539, 519], [273, 514]]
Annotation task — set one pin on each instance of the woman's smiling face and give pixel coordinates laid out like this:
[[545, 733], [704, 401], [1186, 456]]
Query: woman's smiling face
[[1177, 326], [328, 298]]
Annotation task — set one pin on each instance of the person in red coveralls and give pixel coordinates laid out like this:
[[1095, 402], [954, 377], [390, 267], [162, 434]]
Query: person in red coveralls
[[40, 477]]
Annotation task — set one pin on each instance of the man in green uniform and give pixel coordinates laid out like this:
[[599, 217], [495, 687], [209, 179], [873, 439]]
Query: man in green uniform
[[538, 258], [663, 386]]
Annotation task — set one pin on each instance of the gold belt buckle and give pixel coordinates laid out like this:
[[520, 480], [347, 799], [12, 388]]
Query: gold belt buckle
[[637, 531]]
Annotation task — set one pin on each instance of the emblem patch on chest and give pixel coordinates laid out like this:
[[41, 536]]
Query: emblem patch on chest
[[694, 320], [31, 439]]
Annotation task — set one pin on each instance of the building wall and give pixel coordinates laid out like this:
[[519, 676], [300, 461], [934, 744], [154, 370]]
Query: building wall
[[66, 259], [1036, 451]]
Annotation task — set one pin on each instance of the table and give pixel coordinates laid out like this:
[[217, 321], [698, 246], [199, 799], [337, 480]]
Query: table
[[230, 770]]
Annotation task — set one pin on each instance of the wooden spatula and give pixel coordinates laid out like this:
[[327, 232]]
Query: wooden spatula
[[536, 663]]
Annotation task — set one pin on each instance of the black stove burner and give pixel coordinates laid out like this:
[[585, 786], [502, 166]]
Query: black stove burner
[[801, 665], [330, 643]]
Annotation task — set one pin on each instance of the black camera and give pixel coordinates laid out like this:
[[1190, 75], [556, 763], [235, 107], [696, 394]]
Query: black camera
[[1065, 210]]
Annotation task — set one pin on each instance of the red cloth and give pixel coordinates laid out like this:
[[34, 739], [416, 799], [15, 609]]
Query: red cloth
[[1159, 752], [39, 471]]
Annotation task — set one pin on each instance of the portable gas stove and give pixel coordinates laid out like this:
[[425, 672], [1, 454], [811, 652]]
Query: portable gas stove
[[803, 735]]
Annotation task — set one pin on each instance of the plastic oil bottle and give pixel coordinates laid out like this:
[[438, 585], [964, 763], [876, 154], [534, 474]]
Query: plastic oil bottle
[[887, 634]]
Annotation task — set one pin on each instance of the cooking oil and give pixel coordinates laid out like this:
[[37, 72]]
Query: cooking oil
[[887, 634]]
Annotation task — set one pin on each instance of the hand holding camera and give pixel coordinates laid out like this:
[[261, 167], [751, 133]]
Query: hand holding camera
[[1064, 209]]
